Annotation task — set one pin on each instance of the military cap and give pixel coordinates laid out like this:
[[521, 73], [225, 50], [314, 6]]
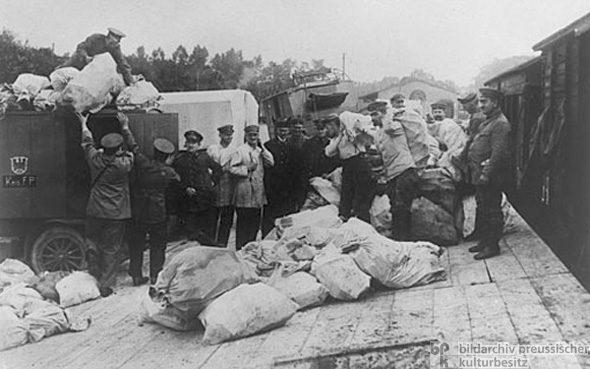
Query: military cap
[[226, 130], [193, 135], [282, 123], [163, 146], [330, 118], [115, 32], [111, 141], [491, 93], [397, 97], [374, 106], [252, 129], [467, 98], [438, 105], [294, 120]]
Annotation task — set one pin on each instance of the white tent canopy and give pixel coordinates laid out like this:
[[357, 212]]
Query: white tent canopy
[[205, 111]]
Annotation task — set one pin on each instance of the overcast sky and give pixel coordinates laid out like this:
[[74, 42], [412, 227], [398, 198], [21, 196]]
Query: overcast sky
[[450, 39]]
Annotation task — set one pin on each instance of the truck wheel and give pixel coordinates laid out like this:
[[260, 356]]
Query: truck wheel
[[58, 248]]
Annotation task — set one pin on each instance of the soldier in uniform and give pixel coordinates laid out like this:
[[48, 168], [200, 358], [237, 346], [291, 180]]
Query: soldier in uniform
[[224, 207], [148, 207], [247, 164], [315, 161], [358, 186], [469, 103], [280, 179], [488, 163], [296, 140], [109, 204], [399, 169], [97, 44], [199, 174]]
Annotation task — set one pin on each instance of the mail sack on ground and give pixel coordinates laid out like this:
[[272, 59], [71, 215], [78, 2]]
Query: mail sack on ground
[[301, 287], [166, 315], [394, 264], [341, 276], [13, 271], [431, 222], [245, 310], [197, 275], [77, 288]]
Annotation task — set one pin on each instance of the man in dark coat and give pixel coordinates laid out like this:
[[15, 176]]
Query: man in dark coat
[[148, 207], [296, 141], [109, 204], [199, 175], [488, 163], [476, 117], [315, 161], [279, 179], [98, 44]]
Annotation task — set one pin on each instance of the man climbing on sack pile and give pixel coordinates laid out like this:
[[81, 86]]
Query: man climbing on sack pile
[[399, 169], [488, 163], [151, 177], [199, 175], [109, 204], [247, 164], [358, 185], [224, 208], [98, 44]]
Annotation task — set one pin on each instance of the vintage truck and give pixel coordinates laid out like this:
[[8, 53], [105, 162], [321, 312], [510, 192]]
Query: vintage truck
[[45, 179]]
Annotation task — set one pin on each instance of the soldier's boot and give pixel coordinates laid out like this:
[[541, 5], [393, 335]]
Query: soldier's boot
[[492, 243], [484, 238], [477, 233]]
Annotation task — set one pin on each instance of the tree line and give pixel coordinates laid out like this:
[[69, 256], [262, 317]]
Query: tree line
[[180, 71]]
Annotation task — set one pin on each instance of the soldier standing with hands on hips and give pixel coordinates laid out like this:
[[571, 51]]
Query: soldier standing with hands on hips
[[488, 162]]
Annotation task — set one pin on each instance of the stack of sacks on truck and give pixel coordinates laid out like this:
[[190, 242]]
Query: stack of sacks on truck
[[313, 256], [88, 90], [27, 316]]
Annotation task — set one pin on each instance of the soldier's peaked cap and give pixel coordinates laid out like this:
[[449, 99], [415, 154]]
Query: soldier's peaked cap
[[111, 141], [491, 93], [193, 135], [438, 105], [163, 146], [376, 105], [467, 98], [226, 130], [115, 32]]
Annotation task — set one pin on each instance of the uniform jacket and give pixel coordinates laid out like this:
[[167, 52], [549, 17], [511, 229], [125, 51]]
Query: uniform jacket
[[96, 44], [197, 170], [491, 145], [279, 180], [226, 186], [109, 197], [148, 191], [249, 191], [315, 161], [392, 144]]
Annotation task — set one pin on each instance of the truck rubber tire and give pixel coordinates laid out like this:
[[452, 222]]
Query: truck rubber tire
[[58, 248]]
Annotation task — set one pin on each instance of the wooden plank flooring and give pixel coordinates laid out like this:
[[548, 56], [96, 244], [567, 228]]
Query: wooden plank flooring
[[524, 296]]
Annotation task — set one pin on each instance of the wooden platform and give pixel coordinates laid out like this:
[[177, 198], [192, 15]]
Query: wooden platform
[[524, 296]]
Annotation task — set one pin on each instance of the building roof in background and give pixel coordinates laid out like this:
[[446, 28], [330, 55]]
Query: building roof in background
[[405, 81]]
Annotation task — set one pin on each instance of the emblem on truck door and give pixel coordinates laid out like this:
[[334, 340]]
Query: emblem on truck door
[[19, 165]]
